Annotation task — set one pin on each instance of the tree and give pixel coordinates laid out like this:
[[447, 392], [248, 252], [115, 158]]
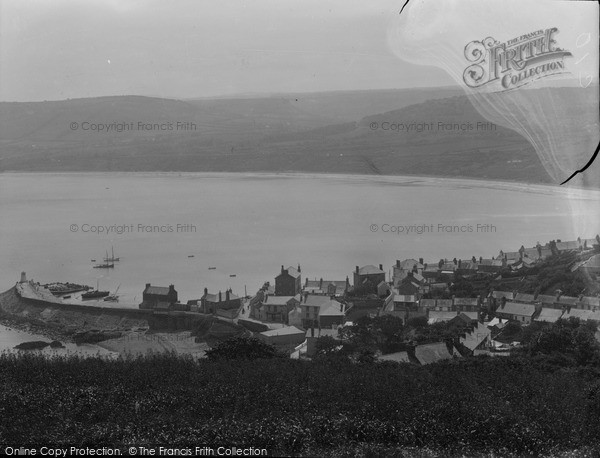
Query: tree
[[242, 348], [326, 345]]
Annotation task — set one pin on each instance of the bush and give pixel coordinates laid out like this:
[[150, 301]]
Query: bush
[[242, 348]]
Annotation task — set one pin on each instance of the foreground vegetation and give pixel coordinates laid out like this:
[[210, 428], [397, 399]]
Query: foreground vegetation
[[535, 405]]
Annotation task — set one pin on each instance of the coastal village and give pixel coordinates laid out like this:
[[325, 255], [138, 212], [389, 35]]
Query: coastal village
[[476, 297]]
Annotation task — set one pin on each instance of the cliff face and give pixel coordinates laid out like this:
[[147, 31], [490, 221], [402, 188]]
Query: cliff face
[[66, 318]]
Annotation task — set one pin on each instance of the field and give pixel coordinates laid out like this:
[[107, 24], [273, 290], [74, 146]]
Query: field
[[540, 406]]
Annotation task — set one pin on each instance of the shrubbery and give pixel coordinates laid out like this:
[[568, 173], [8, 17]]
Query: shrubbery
[[326, 407]]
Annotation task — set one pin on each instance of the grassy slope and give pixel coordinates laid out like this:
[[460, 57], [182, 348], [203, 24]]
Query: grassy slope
[[326, 133]]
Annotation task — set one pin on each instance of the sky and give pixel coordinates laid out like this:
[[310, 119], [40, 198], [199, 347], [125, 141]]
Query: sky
[[59, 49]]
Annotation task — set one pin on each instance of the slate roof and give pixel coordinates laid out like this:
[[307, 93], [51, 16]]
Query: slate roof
[[473, 339], [159, 290], [590, 301], [437, 317], [510, 255], [570, 245], [399, 357], [431, 353], [549, 315], [320, 301], [291, 271], [522, 297], [583, 315], [333, 309], [232, 297], [408, 264], [516, 308], [281, 300], [546, 299], [466, 301], [568, 300], [491, 262], [370, 270], [468, 265], [284, 331], [404, 298], [429, 303], [444, 303]]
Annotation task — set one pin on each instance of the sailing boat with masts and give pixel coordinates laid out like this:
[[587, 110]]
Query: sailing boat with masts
[[113, 297], [112, 256], [95, 294], [106, 265]]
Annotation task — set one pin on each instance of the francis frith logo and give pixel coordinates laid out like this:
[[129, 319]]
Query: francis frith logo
[[515, 62]]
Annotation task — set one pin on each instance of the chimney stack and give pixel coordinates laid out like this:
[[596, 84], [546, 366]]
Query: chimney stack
[[282, 269], [421, 261], [219, 296], [24, 278], [205, 291], [321, 283], [397, 263], [357, 269], [227, 295]]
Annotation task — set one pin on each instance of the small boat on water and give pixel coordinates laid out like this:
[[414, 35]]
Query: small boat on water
[[232, 275], [211, 268], [95, 294], [93, 260], [113, 297], [190, 255]]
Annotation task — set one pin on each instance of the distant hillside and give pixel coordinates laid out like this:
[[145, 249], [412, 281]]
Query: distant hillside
[[328, 132]]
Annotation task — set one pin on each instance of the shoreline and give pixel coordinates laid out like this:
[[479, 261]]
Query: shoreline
[[399, 179], [32, 328]]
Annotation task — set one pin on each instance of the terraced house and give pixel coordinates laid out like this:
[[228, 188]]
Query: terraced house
[[158, 297], [288, 282], [369, 275]]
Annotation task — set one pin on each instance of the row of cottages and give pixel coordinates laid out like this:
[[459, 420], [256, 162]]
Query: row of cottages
[[410, 275], [435, 310], [276, 309], [476, 337], [517, 311], [539, 252], [214, 303], [337, 288], [526, 313], [318, 311], [550, 301], [302, 310], [524, 255], [159, 297], [288, 282]]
